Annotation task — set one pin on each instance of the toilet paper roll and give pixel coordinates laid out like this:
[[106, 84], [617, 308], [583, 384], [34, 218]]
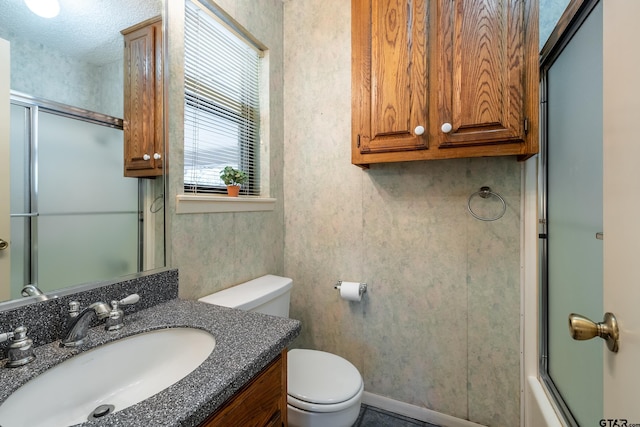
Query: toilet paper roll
[[350, 291]]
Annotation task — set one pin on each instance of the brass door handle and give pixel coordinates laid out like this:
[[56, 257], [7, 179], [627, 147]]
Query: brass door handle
[[582, 328], [3, 245]]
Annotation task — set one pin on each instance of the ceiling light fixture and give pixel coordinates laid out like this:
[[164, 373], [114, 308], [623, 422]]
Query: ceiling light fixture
[[44, 8]]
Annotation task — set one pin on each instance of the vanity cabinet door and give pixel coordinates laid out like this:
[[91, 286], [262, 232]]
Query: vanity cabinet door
[[443, 79], [143, 134], [260, 403]]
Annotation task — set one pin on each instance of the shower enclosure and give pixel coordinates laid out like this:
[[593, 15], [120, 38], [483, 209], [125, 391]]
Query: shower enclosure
[[74, 217], [572, 217]]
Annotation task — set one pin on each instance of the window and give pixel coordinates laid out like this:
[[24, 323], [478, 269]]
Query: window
[[221, 111]]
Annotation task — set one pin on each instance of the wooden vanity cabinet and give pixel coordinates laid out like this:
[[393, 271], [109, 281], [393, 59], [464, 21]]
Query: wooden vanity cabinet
[[443, 79], [143, 83], [260, 403]]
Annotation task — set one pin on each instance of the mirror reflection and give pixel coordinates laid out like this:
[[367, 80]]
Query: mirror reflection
[[74, 217]]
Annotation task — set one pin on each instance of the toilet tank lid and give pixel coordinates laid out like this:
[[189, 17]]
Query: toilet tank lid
[[251, 294]]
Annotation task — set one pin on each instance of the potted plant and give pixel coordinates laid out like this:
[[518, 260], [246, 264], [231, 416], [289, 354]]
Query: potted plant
[[233, 178]]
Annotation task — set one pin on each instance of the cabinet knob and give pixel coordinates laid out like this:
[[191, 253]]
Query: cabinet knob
[[419, 130], [446, 127], [146, 157], [157, 156]]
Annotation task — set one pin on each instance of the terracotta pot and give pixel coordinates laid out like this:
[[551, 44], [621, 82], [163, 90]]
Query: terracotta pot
[[233, 190]]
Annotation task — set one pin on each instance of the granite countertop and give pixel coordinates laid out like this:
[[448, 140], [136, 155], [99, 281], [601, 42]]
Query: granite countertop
[[245, 343]]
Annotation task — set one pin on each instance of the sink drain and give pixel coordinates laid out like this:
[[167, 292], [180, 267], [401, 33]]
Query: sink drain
[[101, 411]]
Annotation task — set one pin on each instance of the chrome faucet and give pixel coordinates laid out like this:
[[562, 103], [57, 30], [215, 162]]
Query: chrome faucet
[[34, 291], [79, 321]]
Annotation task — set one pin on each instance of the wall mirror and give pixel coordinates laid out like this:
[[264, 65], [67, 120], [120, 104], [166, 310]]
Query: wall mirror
[[74, 217]]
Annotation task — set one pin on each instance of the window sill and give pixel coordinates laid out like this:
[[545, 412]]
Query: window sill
[[191, 204]]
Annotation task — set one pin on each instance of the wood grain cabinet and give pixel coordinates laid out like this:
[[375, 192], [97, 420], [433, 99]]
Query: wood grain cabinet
[[444, 79], [143, 130], [260, 403]]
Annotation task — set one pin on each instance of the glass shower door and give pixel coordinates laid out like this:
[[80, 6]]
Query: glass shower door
[[88, 211], [574, 194], [74, 216]]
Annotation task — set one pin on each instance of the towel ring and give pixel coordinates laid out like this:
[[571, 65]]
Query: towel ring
[[156, 207], [485, 192]]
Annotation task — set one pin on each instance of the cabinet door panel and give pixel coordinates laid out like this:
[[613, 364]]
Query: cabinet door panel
[[261, 403], [140, 100], [390, 57], [143, 100], [482, 82]]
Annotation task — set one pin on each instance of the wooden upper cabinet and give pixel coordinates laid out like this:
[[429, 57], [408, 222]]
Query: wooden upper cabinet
[[143, 130], [464, 72]]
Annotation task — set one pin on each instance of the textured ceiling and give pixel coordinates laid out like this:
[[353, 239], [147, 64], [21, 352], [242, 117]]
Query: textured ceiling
[[88, 29]]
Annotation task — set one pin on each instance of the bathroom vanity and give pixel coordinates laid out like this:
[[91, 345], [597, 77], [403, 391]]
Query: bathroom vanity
[[242, 381]]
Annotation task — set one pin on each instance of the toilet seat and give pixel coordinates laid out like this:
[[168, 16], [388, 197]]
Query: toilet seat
[[323, 408], [321, 382]]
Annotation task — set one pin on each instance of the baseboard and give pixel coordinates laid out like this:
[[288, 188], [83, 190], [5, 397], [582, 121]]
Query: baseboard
[[415, 412]]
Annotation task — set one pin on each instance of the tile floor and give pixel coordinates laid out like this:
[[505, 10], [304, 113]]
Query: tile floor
[[375, 417]]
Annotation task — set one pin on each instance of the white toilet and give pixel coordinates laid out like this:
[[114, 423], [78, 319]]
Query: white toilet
[[324, 390]]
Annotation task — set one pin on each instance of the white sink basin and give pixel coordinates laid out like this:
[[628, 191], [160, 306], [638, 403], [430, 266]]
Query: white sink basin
[[121, 373]]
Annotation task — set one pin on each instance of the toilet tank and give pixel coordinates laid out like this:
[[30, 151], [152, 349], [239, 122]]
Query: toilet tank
[[267, 294]]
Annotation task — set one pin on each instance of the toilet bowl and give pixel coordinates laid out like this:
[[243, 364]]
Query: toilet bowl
[[323, 389]]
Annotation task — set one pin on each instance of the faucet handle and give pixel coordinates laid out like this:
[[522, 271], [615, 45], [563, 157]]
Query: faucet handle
[[20, 351], [116, 315], [115, 320], [131, 299], [18, 334], [5, 336]]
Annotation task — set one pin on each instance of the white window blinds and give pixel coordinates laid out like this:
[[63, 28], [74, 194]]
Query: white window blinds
[[221, 111]]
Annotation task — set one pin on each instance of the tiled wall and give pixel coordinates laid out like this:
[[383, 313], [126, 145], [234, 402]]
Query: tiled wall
[[439, 327]]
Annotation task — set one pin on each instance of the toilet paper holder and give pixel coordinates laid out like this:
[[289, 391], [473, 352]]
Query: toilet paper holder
[[363, 286]]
